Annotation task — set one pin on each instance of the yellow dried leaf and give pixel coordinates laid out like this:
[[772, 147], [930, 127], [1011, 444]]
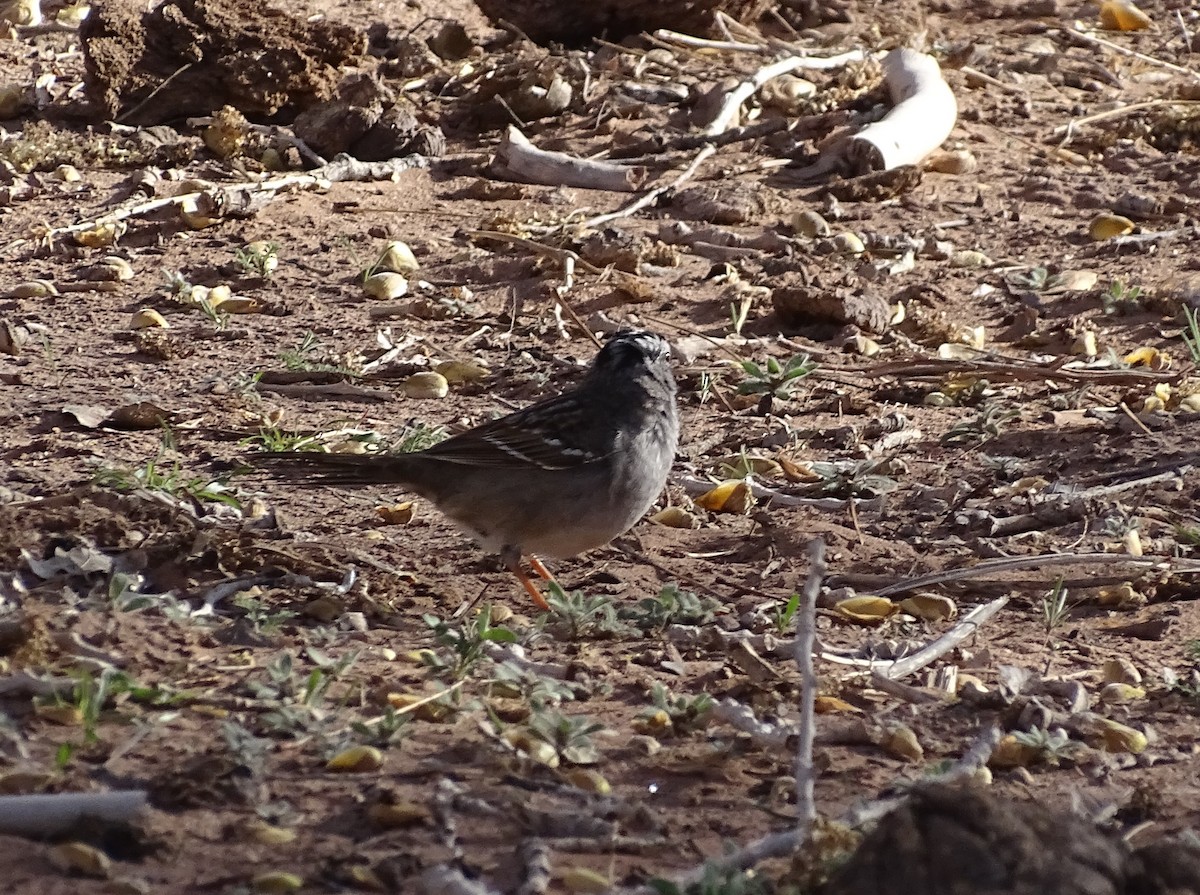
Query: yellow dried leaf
[[434, 710], [731, 496], [866, 610], [1121, 15], [584, 881], [1106, 226], [1123, 596], [148, 318], [1147, 356], [1121, 738], [399, 814], [356, 759], [902, 742], [930, 607], [239, 304], [79, 857], [675, 517], [396, 513], [828, 705], [276, 883]]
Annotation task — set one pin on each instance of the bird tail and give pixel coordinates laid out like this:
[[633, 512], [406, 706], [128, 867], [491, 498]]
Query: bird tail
[[338, 470]]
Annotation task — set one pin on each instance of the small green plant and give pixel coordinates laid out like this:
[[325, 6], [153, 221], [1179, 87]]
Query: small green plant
[[571, 736], [1191, 336], [987, 424], [672, 606], [260, 259], [687, 713], [383, 731], [218, 318], [784, 614], [463, 647], [1036, 278], [716, 881], [777, 380], [297, 700], [1121, 299], [1052, 746], [417, 437], [1187, 535], [276, 439], [582, 615], [1055, 610], [152, 477], [302, 359], [512, 681], [262, 618]]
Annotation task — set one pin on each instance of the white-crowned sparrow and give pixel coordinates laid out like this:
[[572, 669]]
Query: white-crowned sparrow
[[560, 477]]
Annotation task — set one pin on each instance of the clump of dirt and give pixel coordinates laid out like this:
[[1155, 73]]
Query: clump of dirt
[[951, 840], [549, 21], [190, 57]]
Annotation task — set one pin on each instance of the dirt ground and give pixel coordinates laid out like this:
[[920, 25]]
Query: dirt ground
[[1017, 407]]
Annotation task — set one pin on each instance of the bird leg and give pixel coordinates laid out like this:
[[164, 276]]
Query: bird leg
[[542, 571], [514, 566]]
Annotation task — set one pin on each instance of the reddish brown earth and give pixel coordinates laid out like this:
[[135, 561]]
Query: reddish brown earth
[[213, 722]]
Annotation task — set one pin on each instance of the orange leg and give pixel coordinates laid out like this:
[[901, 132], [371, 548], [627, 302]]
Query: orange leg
[[540, 569], [530, 587]]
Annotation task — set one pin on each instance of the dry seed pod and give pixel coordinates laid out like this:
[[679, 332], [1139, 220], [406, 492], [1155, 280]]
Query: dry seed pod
[[970, 258], [426, 384], [147, 318], [1085, 344], [68, 174], [590, 781], [267, 834], [930, 607], [277, 883], [101, 235], [1121, 671], [1121, 15], [33, 289], [1106, 226], [535, 748], [675, 517], [868, 610], [1012, 753], [397, 257], [584, 881], [110, 270], [394, 816], [1122, 738], [458, 372], [902, 742], [731, 496], [1115, 694], [386, 285], [809, 223], [192, 214], [78, 857], [239, 304], [961, 161], [356, 759], [217, 295], [848, 243]]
